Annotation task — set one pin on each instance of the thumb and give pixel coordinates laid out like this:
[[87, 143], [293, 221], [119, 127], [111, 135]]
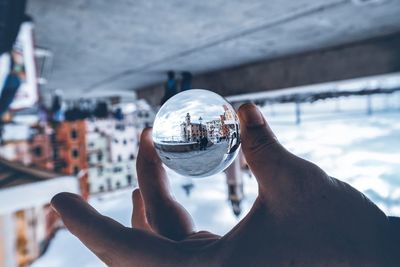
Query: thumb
[[260, 147]]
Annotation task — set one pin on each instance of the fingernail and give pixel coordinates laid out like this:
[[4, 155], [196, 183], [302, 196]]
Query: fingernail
[[251, 115], [135, 195], [54, 209], [59, 200]]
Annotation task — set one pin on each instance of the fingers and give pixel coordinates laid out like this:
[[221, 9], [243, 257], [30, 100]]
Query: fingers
[[139, 219], [261, 148], [166, 216], [85, 222], [282, 177], [113, 243]]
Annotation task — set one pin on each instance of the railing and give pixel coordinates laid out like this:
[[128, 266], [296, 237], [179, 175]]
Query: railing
[[314, 93]]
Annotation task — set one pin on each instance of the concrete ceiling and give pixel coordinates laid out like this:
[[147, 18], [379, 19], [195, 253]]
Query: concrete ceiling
[[104, 45]]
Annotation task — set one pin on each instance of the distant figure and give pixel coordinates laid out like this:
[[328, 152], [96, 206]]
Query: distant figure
[[42, 114], [187, 187], [56, 108], [186, 82], [10, 87], [118, 115], [73, 114], [170, 87], [203, 143], [101, 110]]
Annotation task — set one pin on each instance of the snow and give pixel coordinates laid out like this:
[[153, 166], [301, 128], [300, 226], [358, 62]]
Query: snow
[[359, 149]]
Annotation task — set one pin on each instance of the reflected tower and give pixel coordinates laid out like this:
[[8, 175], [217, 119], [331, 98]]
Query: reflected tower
[[234, 181]]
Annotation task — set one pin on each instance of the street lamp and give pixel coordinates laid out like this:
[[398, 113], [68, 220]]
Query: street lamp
[[201, 128]]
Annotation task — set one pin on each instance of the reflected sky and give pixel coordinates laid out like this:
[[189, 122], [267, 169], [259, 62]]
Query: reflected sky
[[197, 102]]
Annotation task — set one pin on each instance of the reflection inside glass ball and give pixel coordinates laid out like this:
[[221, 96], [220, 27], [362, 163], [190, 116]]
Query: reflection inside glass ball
[[196, 133]]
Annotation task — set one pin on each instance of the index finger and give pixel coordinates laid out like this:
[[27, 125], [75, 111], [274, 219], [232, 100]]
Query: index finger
[[113, 243]]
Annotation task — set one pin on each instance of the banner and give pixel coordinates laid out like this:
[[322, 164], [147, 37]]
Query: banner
[[24, 58]]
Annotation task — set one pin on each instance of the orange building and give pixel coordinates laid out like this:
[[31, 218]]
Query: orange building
[[229, 122], [41, 149], [69, 151]]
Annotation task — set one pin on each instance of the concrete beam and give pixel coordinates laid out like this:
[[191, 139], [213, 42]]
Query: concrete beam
[[370, 57]]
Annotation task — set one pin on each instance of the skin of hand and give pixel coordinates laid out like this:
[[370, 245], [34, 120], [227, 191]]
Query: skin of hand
[[301, 217]]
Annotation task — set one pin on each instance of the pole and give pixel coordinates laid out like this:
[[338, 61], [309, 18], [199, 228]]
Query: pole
[[369, 105], [298, 112]]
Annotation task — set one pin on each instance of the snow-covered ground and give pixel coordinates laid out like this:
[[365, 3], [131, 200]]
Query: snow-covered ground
[[337, 135]]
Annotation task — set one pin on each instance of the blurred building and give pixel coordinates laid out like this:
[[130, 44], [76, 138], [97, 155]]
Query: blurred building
[[112, 176], [69, 151], [111, 154], [124, 142], [41, 149], [214, 130], [139, 114], [27, 222], [15, 143], [70, 147]]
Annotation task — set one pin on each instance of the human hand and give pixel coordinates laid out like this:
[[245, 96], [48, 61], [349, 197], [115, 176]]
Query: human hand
[[301, 217]]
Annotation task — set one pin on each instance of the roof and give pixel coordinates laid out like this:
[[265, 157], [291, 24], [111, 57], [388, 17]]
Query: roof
[[14, 174]]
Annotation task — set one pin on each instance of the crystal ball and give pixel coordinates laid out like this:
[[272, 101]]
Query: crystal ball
[[196, 133]]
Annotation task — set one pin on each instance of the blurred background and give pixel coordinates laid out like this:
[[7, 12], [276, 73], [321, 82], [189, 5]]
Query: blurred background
[[80, 80]]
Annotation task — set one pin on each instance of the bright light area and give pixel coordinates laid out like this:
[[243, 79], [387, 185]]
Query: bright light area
[[338, 135]]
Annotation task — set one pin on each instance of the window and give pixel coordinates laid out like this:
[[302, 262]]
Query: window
[[119, 158], [55, 153], [100, 171], [118, 184], [74, 134], [100, 156], [125, 142], [129, 179], [131, 157], [76, 170], [109, 187], [101, 188], [37, 151], [75, 153]]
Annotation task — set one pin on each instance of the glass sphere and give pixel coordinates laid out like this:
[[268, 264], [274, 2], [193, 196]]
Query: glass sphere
[[196, 133]]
